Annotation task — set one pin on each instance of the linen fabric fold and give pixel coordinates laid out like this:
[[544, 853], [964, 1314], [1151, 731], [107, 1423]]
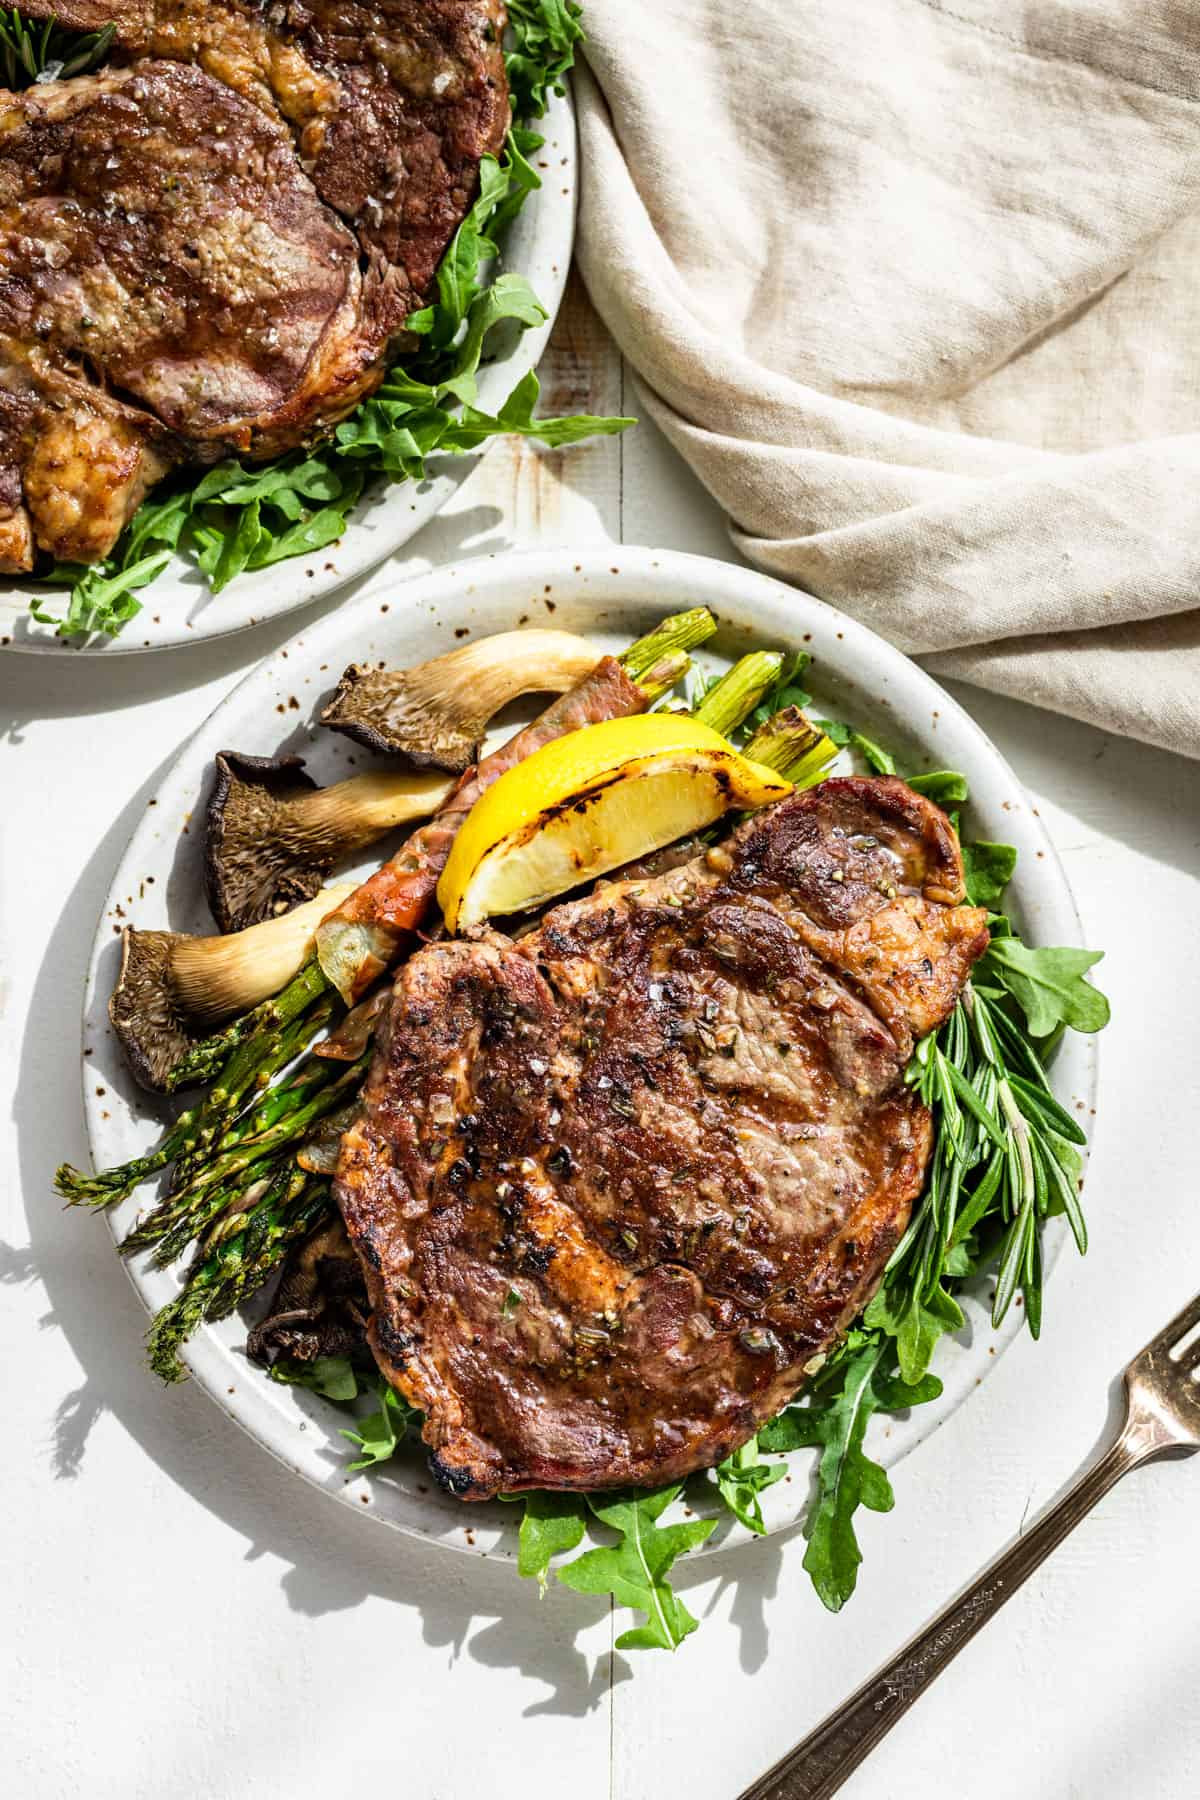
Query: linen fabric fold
[[915, 289]]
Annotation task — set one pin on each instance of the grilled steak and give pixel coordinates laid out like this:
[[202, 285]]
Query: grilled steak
[[212, 247], [618, 1182]]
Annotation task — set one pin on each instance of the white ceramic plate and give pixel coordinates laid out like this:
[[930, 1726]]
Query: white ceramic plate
[[612, 596], [178, 608]]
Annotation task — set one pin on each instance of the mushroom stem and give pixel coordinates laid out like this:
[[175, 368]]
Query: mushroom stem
[[338, 820], [212, 977]]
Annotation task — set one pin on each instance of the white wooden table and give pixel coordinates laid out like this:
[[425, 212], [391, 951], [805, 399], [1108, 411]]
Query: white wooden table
[[183, 1619]]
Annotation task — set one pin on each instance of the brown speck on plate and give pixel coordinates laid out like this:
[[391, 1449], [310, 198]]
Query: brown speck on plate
[[461, 631], [101, 1092]]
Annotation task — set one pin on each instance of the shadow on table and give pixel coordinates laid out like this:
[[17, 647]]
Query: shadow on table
[[45, 686]]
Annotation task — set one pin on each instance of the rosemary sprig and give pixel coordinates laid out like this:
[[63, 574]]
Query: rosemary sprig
[[1006, 1158], [29, 50]]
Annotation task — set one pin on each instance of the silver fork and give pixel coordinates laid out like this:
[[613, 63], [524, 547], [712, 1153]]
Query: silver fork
[[1162, 1418]]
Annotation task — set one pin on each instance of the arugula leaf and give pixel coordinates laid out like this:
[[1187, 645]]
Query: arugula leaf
[[552, 1523], [635, 1570], [1048, 984], [471, 428], [916, 1320], [988, 869], [877, 759], [101, 598], [332, 1376], [383, 1432], [945, 787], [742, 1478], [547, 34], [835, 1420]]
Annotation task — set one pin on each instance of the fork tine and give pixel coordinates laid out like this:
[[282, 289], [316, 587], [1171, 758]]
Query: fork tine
[[1179, 1327]]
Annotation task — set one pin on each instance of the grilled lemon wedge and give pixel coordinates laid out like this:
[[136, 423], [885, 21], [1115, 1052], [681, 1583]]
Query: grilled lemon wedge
[[589, 802]]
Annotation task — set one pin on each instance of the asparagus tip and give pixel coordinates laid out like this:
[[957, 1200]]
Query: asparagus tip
[[78, 1189]]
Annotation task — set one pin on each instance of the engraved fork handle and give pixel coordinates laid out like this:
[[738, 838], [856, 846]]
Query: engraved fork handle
[[819, 1765]]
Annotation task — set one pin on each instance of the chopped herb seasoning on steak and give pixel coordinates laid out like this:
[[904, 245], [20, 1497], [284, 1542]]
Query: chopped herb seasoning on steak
[[210, 247], [619, 1182]]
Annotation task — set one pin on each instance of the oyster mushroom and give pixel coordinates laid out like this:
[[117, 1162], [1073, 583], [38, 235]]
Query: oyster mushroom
[[271, 835], [173, 987], [435, 715], [320, 1307]]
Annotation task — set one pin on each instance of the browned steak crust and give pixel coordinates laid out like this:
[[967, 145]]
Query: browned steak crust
[[229, 233], [619, 1182]]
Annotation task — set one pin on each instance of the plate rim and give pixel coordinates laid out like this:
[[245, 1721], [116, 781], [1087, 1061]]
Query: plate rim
[[625, 567], [553, 238]]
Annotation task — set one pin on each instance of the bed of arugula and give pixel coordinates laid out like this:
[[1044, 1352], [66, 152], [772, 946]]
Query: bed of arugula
[[1006, 1159], [235, 517]]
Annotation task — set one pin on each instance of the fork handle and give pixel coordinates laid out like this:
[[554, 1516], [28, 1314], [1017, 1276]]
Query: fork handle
[[817, 1767]]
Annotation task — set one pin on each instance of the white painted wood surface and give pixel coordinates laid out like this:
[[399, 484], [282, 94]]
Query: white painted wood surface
[[183, 1619]]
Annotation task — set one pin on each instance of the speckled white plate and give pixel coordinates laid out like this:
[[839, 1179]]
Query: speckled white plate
[[612, 596], [179, 609]]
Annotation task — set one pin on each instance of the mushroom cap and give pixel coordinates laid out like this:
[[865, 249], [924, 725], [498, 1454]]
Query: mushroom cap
[[257, 863], [154, 1034], [436, 713], [384, 710]]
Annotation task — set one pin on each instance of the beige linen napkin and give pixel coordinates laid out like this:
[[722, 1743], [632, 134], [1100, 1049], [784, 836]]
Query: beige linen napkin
[[915, 288]]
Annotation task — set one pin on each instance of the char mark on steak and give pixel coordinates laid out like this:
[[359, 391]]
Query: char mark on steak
[[618, 1183], [210, 248]]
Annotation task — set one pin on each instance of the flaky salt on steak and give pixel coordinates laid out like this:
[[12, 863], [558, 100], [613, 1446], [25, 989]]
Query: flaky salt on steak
[[617, 1183], [212, 249]]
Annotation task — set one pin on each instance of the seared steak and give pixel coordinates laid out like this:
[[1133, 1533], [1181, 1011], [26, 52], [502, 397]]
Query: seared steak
[[212, 249], [619, 1182]]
